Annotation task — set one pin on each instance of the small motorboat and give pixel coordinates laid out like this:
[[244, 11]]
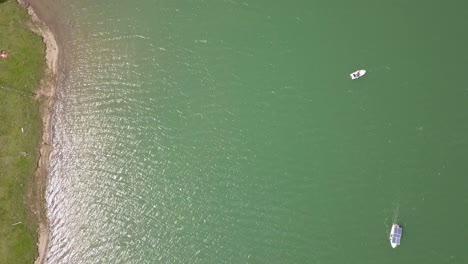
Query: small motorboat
[[395, 235], [357, 74]]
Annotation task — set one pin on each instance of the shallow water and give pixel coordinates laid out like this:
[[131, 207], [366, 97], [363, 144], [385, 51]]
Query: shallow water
[[230, 132]]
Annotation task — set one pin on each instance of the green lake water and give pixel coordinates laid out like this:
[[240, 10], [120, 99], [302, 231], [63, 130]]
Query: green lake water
[[230, 132]]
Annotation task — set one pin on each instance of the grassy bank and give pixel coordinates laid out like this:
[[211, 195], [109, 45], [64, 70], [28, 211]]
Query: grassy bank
[[20, 132]]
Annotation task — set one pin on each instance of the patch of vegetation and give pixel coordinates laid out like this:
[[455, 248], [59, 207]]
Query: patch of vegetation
[[20, 131]]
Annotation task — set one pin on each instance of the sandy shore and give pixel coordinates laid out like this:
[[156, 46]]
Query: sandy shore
[[45, 93]]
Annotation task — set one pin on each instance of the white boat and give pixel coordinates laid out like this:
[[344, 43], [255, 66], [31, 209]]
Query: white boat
[[395, 235], [357, 74]]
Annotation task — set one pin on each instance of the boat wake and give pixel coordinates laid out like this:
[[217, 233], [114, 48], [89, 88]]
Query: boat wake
[[396, 212]]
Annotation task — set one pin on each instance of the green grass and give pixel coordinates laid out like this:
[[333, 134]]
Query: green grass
[[22, 71]]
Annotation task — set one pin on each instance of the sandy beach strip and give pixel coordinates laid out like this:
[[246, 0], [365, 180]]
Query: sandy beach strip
[[46, 92]]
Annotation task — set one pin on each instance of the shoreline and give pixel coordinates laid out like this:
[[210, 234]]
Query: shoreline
[[46, 94]]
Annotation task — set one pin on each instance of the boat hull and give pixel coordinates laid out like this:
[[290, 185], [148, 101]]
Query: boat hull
[[395, 235], [357, 74]]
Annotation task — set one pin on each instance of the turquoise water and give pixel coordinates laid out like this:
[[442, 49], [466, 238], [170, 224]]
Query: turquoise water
[[230, 132]]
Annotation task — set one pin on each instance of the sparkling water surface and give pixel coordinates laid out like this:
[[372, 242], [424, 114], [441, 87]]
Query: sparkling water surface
[[230, 132]]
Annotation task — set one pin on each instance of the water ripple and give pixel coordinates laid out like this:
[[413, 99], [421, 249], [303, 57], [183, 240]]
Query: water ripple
[[152, 161]]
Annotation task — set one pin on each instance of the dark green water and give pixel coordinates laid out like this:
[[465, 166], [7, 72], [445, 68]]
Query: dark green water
[[230, 132]]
